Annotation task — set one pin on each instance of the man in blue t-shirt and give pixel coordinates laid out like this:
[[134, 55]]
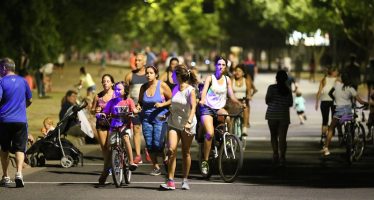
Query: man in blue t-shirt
[[15, 97]]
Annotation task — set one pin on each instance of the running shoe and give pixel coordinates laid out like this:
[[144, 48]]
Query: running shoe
[[138, 160], [133, 167], [204, 167], [185, 185], [19, 180], [155, 172], [169, 185], [325, 151], [147, 157], [5, 181]]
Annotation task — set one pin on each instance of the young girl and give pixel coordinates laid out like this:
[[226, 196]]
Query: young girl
[[343, 93], [47, 126], [300, 107], [182, 124], [123, 123]]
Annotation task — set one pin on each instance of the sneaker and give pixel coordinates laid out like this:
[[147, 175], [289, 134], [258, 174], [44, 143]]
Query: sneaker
[[147, 157], [155, 172], [5, 181], [204, 167], [110, 171], [138, 160], [185, 185], [133, 167], [19, 180], [325, 151], [169, 185]]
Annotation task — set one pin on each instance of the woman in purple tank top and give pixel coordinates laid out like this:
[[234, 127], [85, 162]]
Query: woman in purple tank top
[[102, 127], [154, 100]]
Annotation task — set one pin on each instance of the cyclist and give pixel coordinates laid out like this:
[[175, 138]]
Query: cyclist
[[343, 92], [242, 87], [213, 99], [182, 123], [122, 123]]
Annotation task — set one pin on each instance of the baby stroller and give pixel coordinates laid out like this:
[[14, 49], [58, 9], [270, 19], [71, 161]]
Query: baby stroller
[[55, 146]]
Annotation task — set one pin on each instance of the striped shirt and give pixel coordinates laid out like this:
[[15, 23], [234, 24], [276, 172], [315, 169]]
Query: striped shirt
[[278, 105]]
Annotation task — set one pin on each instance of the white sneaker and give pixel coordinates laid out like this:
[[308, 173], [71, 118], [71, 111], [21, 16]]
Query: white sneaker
[[325, 151], [5, 181], [19, 180]]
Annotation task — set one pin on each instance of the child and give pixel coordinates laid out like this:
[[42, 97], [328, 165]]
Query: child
[[122, 123], [47, 126], [300, 107]]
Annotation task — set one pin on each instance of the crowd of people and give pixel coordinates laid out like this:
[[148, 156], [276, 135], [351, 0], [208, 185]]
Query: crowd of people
[[170, 107]]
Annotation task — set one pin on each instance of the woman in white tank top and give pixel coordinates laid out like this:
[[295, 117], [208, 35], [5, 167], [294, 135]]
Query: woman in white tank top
[[243, 90], [213, 98], [327, 103]]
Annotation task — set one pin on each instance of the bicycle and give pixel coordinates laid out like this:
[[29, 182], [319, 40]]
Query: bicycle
[[226, 151], [353, 135], [237, 128], [119, 159]]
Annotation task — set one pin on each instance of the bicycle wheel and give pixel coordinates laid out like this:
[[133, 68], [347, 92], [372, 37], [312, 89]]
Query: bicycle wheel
[[230, 158], [349, 143], [117, 166], [359, 141], [126, 171], [201, 159]]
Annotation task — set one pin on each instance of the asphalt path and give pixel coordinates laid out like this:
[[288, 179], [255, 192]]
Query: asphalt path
[[307, 175]]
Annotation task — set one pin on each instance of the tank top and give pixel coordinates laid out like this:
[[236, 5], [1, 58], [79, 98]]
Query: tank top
[[329, 83], [135, 84], [217, 94], [149, 111], [180, 109], [101, 102], [169, 83], [240, 92]]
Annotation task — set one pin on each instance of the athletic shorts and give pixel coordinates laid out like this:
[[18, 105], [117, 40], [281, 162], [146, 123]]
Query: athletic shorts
[[13, 137]]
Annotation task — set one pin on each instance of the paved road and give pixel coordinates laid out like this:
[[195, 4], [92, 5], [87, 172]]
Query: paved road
[[306, 176]]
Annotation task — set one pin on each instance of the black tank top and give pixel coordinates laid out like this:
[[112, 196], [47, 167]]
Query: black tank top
[[169, 83]]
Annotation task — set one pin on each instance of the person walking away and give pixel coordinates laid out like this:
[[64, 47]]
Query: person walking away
[[135, 79], [154, 100], [352, 71], [85, 79], [343, 92], [15, 97], [182, 124], [213, 99], [47, 71], [327, 103], [102, 127], [279, 100], [300, 107]]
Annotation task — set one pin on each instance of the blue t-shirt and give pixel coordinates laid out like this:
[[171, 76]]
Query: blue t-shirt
[[14, 91]]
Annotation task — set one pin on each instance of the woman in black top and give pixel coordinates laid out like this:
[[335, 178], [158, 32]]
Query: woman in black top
[[279, 101], [166, 77]]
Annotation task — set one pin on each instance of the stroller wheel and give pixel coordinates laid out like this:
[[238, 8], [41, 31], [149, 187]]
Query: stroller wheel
[[41, 161], [67, 161], [33, 161]]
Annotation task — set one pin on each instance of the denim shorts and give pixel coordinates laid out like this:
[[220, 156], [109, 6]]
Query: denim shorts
[[154, 134], [342, 110], [206, 110]]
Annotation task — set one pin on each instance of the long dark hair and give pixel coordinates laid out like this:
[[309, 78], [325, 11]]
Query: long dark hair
[[171, 60], [185, 74], [282, 84]]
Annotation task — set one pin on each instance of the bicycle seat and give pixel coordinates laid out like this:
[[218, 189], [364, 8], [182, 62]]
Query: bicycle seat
[[345, 118]]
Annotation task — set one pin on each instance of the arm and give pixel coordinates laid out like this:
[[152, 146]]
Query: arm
[[164, 77], [166, 92], [95, 109], [128, 78], [231, 92], [268, 96], [208, 80], [318, 95], [28, 102], [248, 82], [331, 93], [193, 109], [140, 99]]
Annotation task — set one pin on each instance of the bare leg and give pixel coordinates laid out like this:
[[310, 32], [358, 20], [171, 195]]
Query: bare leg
[[172, 152], [20, 157], [137, 139], [186, 155], [4, 162], [129, 149], [207, 122]]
